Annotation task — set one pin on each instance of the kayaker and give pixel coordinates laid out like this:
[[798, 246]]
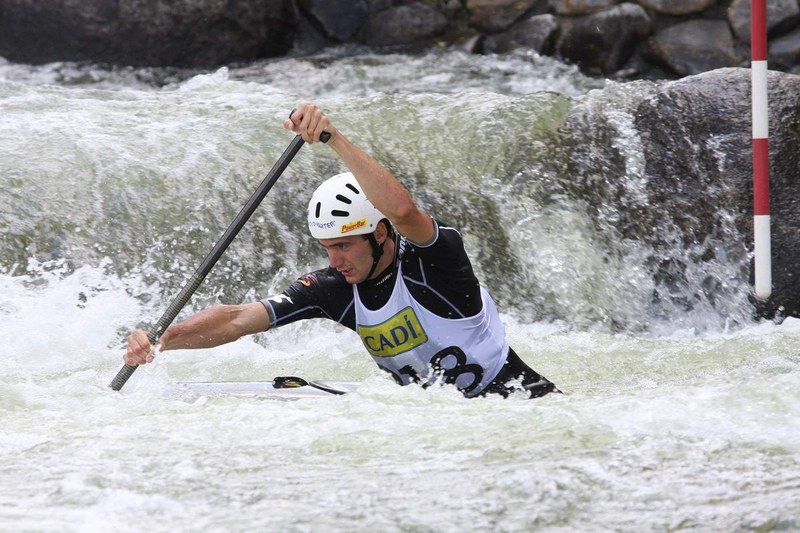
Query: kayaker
[[398, 277]]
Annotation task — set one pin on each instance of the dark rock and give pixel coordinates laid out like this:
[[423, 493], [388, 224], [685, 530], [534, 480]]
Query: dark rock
[[693, 47], [574, 8], [404, 25], [781, 16], [698, 148], [473, 45], [497, 15], [337, 19], [677, 7], [145, 32], [603, 37], [538, 33], [784, 52], [691, 201], [601, 43], [309, 38]]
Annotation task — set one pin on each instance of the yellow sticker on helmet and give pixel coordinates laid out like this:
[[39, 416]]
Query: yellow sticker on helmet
[[352, 226]]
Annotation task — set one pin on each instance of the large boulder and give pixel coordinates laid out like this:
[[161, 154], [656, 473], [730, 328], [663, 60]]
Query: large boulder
[[674, 172], [784, 52], [146, 32], [405, 25], [497, 15], [781, 15], [697, 141], [339, 20], [538, 33], [601, 43], [693, 47]]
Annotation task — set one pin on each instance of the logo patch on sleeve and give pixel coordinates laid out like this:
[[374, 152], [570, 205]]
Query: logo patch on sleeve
[[399, 334], [308, 280]]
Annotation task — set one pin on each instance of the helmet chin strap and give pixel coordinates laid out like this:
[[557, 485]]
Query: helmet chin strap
[[377, 249], [377, 252]]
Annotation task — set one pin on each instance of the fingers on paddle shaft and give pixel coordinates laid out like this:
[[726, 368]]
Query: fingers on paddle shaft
[[324, 136]]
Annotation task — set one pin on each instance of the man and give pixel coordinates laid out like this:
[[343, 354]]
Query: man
[[397, 277]]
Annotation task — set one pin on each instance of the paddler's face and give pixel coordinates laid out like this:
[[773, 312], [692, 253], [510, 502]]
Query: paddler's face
[[351, 256]]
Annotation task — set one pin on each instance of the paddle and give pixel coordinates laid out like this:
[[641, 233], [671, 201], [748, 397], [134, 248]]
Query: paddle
[[219, 248]]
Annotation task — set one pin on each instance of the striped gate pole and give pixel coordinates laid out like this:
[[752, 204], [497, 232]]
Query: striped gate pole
[[761, 216]]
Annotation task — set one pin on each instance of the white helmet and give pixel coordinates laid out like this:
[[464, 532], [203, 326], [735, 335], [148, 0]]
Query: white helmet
[[339, 208]]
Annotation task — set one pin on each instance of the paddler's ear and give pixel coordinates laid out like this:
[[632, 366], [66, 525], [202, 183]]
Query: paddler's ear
[[381, 232]]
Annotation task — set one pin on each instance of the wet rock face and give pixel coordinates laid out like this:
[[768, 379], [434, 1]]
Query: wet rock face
[[691, 202], [698, 147], [145, 32]]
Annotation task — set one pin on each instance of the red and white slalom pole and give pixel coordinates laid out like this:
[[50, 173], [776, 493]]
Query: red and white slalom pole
[[761, 216]]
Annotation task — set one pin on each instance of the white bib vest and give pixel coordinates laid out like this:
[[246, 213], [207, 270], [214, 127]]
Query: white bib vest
[[413, 343]]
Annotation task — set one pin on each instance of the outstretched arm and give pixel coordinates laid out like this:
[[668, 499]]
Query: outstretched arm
[[385, 192], [211, 327]]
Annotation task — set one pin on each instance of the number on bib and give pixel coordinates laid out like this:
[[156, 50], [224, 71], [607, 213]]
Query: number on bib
[[452, 372]]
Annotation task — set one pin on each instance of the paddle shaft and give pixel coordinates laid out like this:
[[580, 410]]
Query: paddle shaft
[[211, 259]]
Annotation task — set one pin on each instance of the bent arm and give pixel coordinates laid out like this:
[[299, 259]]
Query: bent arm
[[382, 188], [385, 192]]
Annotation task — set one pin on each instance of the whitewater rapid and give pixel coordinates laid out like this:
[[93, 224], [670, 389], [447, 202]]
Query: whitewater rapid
[[116, 183]]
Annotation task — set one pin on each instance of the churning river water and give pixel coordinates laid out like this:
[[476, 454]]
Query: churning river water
[[115, 183]]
